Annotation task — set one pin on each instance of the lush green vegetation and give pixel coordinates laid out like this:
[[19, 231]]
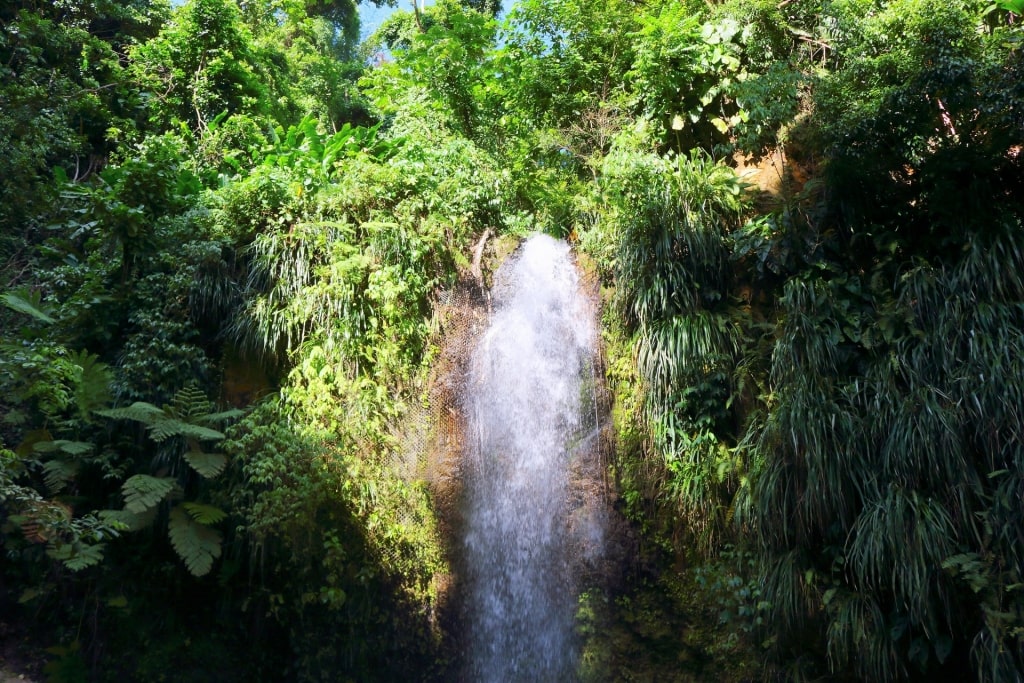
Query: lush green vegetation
[[223, 236]]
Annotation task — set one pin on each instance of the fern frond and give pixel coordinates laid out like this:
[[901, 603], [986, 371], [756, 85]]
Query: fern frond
[[222, 416], [140, 411], [64, 446], [131, 521], [204, 514], [971, 568], [198, 546], [163, 424], [209, 465], [142, 492], [57, 473], [93, 388], [167, 427], [76, 556], [190, 401]]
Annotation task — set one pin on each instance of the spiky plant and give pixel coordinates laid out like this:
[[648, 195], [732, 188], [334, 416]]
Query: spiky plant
[[886, 481], [673, 272], [309, 278], [888, 473]]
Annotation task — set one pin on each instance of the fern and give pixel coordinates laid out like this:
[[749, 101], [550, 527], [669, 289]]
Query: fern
[[204, 514], [57, 473], [165, 428], [209, 465], [63, 446], [142, 492], [93, 388], [189, 401], [140, 411], [213, 418], [126, 520], [188, 407], [76, 556], [971, 568], [197, 545]]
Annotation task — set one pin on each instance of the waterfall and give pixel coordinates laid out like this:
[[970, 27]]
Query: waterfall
[[530, 415]]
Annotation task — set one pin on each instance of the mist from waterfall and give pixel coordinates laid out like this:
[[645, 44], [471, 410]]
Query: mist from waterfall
[[530, 413]]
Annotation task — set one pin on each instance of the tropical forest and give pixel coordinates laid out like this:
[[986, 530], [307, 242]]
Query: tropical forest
[[546, 341]]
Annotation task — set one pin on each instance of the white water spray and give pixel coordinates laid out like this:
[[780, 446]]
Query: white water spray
[[530, 411]]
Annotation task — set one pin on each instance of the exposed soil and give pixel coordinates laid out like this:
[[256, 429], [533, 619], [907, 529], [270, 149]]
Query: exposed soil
[[15, 665]]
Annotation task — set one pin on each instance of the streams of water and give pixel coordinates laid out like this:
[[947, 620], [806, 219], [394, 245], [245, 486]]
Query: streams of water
[[530, 407]]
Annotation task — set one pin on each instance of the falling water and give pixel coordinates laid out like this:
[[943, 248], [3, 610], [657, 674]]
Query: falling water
[[530, 405]]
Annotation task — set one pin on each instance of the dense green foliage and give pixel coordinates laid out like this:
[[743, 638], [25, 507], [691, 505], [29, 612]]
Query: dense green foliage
[[223, 234]]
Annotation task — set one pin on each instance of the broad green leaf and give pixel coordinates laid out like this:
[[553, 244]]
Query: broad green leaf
[[29, 303]]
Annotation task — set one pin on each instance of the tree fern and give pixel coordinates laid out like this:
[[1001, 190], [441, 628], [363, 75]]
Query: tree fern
[[128, 520], [185, 420], [92, 389], [208, 465], [204, 514], [166, 426], [162, 423], [197, 545], [65, 463], [189, 402], [140, 411], [57, 473], [142, 492], [76, 556]]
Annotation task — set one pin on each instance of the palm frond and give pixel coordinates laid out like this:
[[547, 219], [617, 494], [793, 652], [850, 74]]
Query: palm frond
[[29, 302]]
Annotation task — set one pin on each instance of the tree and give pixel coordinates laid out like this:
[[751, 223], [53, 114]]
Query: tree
[[66, 101], [201, 64], [883, 460]]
